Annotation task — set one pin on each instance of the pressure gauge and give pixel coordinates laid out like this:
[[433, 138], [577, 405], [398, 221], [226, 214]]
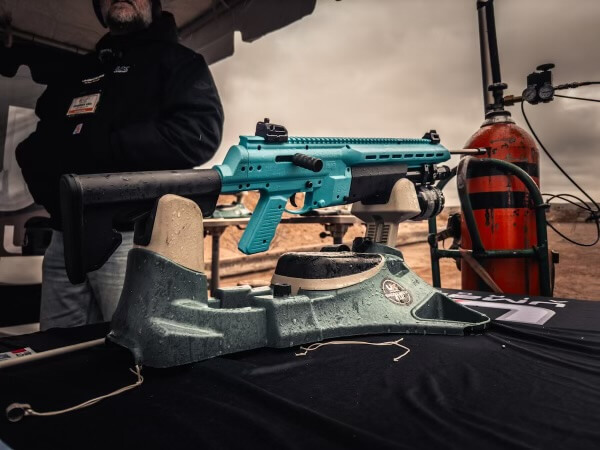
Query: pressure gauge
[[546, 93], [530, 95]]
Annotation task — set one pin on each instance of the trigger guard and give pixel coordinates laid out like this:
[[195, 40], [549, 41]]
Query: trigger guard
[[306, 207], [300, 211]]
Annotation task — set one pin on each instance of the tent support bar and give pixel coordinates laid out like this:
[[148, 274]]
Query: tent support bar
[[30, 37]]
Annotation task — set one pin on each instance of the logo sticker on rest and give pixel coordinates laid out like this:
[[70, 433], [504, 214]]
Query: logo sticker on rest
[[396, 293]]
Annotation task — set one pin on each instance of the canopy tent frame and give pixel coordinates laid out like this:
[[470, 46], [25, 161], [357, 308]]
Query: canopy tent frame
[[210, 32]]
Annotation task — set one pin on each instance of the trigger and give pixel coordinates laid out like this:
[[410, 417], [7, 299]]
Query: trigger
[[293, 200]]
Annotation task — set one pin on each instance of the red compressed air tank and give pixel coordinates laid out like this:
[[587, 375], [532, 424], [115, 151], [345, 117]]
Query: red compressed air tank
[[502, 209]]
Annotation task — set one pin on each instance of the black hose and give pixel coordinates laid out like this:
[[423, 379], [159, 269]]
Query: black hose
[[577, 98], [594, 215]]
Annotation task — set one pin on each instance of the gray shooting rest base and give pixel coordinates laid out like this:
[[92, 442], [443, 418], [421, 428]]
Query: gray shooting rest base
[[166, 318]]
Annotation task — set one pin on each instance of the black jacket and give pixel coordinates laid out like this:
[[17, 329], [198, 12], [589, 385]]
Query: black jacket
[[157, 108]]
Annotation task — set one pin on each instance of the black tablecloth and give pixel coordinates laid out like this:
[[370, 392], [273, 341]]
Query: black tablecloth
[[515, 386]]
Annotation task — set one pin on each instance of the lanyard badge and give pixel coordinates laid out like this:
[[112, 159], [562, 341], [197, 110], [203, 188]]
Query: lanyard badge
[[84, 105]]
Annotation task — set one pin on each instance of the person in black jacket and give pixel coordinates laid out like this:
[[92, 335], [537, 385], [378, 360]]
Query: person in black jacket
[[141, 101]]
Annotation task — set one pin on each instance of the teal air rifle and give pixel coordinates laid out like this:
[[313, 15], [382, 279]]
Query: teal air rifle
[[329, 171]]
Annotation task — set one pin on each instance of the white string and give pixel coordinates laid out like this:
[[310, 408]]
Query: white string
[[27, 410], [318, 345]]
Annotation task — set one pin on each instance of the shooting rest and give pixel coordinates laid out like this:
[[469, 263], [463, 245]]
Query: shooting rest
[[166, 318]]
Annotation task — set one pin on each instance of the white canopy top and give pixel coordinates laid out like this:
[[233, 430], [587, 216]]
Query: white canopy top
[[206, 26]]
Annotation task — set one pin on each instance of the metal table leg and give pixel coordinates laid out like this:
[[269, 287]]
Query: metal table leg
[[214, 262], [337, 231]]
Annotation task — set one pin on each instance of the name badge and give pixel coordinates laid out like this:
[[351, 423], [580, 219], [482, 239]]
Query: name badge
[[84, 105]]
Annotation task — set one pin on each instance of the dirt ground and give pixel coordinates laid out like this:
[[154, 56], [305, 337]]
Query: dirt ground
[[577, 274]]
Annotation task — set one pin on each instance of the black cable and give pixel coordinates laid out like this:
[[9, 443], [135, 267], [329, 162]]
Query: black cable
[[577, 98], [576, 84], [553, 160], [594, 215], [580, 205]]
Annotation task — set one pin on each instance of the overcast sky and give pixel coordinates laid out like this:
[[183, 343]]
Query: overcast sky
[[397, 68]]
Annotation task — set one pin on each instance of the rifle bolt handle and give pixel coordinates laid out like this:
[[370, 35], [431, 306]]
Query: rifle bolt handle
[[307, 162]]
